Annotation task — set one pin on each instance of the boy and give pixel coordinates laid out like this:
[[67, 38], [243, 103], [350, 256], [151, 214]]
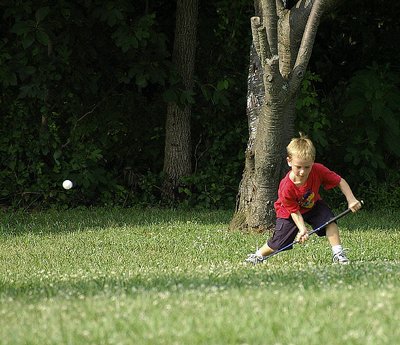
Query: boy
[[299, 202]]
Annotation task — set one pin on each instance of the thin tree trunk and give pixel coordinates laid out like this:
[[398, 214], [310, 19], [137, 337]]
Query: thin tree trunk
[[177, 154]]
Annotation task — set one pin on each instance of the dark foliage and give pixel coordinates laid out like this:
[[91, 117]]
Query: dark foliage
[[84, 85]]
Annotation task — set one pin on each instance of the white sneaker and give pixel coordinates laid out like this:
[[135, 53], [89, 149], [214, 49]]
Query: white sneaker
[[340, 258], [254, 259]]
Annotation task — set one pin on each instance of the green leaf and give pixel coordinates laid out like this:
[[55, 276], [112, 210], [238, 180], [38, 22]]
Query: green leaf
[[13, 79], [206, 92], [25, 90], [223, 85], [42, 13], [354, 107], [187, 97], [30, 70], [42, 37], [372, 134], [141, 80], [28, 40], [21, 28], [8, 79], [133, 42]]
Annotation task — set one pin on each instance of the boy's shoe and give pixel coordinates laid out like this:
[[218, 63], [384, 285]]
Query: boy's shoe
[[254, 259], [340, 258]]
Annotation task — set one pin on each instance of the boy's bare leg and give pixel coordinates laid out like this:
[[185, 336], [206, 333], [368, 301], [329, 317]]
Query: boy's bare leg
[[265, 250], [332, 234]]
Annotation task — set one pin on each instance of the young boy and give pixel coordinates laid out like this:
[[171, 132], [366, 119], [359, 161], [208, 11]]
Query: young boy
[[299, 202]]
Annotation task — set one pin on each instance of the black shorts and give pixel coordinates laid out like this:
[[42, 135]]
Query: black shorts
[[286, 230]]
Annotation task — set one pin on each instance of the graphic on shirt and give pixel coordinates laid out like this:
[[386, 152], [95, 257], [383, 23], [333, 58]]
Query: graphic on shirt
[[307, 200]]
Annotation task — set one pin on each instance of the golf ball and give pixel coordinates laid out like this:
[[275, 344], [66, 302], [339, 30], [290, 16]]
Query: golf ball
[[67, 184]]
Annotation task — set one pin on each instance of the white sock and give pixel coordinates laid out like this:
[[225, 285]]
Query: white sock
[[258, 253], [337, 249]]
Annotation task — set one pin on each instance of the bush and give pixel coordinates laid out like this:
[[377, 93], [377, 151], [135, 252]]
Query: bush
[[356, 129]]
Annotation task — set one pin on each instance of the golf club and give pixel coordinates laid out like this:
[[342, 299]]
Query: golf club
[[334, 219]]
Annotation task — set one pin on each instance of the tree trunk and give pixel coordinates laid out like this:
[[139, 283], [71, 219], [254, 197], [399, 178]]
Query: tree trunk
[[177, 154], [283, 41]]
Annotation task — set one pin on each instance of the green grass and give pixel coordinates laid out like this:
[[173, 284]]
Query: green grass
[[161, 277]]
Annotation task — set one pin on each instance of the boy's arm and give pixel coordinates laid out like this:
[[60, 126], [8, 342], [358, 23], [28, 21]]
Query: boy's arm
[[352, 202], [299, 221]]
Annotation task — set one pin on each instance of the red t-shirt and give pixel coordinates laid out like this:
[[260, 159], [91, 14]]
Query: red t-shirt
[[292, 198]]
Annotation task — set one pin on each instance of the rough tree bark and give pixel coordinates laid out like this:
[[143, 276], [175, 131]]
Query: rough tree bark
[[282, 44], [177, 153]]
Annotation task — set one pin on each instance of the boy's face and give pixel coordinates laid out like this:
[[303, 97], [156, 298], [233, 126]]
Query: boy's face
[[300, 167]]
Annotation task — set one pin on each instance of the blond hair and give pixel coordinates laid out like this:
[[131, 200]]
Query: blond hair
[[301, 147]]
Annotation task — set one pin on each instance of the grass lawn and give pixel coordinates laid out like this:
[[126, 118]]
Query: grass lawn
[[127, 276]]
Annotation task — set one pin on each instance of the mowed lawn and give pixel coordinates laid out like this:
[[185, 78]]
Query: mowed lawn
[[130, 276]]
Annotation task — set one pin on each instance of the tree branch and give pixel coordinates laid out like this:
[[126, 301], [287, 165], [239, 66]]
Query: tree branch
[[279, 6], [307, 43], [270, 22], [260, 40], [255, 25]]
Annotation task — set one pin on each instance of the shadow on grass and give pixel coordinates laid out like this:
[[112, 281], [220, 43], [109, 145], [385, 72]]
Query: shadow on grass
[[75, 220], [377, 220], [54, 221], [377, 275]]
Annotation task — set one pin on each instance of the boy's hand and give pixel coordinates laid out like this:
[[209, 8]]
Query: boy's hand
[[354, 205], [302, 235]]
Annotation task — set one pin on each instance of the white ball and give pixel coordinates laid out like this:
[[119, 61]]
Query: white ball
[[67, 184]]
